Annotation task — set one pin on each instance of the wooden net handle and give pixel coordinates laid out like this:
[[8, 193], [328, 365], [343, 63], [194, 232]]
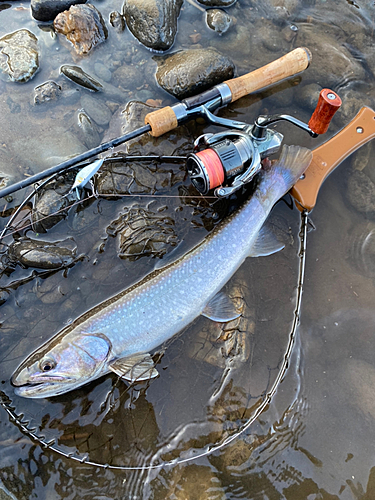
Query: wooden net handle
[[330, 154]]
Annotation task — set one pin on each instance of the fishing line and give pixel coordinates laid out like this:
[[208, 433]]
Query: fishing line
[[146, 158], [89, 197], [23, 424]]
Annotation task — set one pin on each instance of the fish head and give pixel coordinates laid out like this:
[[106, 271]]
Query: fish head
[[62, 365]]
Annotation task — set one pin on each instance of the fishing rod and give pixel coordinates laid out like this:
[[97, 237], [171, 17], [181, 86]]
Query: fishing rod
[[222, 163], [168, 118]]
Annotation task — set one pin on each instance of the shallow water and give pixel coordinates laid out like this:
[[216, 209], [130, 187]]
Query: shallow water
[[314, 439]]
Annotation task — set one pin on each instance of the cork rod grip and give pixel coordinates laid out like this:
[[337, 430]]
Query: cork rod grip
[[292, 63], [163, 120], [330, 154]]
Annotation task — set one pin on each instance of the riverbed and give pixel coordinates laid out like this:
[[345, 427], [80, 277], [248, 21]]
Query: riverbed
[[194, 432]]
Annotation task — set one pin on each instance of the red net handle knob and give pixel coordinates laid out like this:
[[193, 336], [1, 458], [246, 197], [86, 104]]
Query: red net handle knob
[[328, 103]]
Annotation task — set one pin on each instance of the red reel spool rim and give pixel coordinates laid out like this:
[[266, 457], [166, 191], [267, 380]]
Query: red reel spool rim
[[214, 168]]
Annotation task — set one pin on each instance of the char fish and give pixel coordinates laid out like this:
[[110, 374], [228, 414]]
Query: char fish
[[118, 334]]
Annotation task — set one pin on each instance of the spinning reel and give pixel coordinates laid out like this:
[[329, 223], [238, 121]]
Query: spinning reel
[[222, 163]]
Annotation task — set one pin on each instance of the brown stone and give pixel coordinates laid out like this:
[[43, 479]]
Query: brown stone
[[83, 25]]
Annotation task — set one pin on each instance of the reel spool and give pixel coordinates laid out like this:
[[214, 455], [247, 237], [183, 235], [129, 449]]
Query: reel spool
[[221, 159], [222, 163]]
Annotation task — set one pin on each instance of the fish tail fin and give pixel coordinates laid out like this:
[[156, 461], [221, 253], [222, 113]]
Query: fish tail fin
[[292, 163]]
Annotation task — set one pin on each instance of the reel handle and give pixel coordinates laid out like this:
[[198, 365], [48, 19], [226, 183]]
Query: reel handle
[[328, 103], [330, 154], [165, 119]]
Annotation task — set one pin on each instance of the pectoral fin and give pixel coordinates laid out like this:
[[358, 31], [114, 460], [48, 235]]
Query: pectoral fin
[[135, 368], [265, 244], [221, 309]]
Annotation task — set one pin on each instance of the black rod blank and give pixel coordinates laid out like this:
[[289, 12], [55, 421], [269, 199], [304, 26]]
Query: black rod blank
[[73, 161]]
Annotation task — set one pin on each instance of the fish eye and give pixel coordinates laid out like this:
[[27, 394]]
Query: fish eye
[[47, 364]]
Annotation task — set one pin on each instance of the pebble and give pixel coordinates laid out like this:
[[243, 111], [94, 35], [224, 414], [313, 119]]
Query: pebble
[[78, 76], [22, 55], [217, 3], [102, 72], [117, 21], [47, 10], [89, 134], [141, 232], [153, 22], [96, 109], [48, 91], [218, 20]]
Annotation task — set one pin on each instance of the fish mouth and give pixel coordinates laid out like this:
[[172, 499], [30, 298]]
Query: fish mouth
[[42, 388], [31, 383]]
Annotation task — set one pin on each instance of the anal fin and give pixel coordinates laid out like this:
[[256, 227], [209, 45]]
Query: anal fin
[[265, 244], [135, 368], [221, 309]]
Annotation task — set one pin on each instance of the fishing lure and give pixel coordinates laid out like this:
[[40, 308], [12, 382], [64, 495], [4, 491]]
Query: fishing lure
[[85, 175]]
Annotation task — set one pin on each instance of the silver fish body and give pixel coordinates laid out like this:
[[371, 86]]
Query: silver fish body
[[118, 334]]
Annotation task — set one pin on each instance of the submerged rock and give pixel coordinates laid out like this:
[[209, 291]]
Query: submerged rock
[[189, 72], [20, 60], [153, 22], [4, 295], [51, 203], [127, 74], [96, 109], [217, 3], [52, 291], [47, 10], [48, 91], [83, 25], [361, 191], [77, 75], [352, 102], [195, 482], [120, 177], [142, 232], [218, 20], [40, 254], [361, 248], [226, 344], [329, 52], [117, 21], [88, 132]]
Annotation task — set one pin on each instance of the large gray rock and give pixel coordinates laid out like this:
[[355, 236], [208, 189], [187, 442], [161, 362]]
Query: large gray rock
[[153, 22], [20, 58], [328, 52], [189, 72], [47, 10]]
